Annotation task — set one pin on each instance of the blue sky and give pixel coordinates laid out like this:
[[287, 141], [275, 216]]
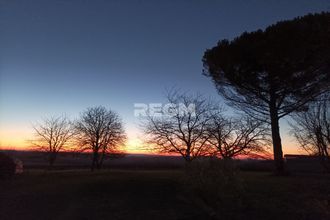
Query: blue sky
[[62, 56]]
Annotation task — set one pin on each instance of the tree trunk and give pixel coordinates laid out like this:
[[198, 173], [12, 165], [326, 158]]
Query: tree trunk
[[101, 159], [188, 154], [51, 159], [95, 160], [277, 145]]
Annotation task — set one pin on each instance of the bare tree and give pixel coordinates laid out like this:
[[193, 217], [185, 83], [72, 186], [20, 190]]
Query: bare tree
[[53, 135], [312, 130], [101, 131], [232, 137], [181, 128]]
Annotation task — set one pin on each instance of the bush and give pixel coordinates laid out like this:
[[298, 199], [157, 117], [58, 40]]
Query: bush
[[215, 183], [7, 166]]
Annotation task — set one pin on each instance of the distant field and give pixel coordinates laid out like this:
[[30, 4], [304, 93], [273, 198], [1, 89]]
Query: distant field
[[157, 194], [69, 160]]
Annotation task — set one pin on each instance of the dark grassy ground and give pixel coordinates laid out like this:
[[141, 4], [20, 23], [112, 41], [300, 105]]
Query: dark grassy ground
[[303, 196], [138, 194]]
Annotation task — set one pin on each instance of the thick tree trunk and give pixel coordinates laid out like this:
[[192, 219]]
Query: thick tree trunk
[[277, 144]]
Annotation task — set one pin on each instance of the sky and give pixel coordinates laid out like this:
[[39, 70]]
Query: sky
[[62, 56]]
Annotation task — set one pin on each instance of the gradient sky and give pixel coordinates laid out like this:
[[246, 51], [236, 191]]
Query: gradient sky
[[62, 56]]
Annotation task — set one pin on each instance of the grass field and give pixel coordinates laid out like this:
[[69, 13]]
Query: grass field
[[160, 194]]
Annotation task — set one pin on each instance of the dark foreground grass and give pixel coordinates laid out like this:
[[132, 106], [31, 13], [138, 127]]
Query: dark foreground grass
[[293, 197], [140, 194]]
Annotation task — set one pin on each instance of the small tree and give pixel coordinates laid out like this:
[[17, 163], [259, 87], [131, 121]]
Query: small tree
[[233, 137], [312, 130], [101, 131], [53, 135], [272, 73], [182, 129]]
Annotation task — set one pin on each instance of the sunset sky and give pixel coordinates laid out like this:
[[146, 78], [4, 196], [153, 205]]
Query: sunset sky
[[62, 56]]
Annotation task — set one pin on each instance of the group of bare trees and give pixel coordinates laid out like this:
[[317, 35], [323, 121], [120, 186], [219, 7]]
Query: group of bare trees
[[312, 129], [98, 130], [202, 130]]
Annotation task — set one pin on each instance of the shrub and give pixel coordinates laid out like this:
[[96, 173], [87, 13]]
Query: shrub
[[7, 166], [215, 183]]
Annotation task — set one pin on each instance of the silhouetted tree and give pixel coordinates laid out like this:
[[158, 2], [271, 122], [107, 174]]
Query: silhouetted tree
[[53, 135], [182, 129], [230, 137], [272, 73], [312, 130], [101, 131]]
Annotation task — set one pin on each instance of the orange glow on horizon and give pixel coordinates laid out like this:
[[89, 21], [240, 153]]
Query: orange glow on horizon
[[14, 138]]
